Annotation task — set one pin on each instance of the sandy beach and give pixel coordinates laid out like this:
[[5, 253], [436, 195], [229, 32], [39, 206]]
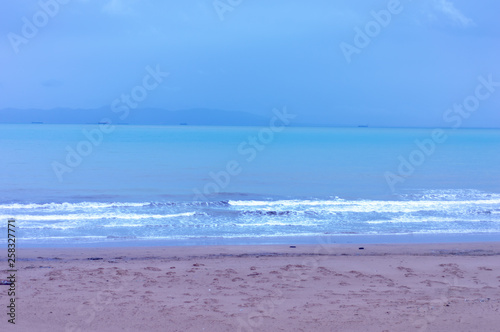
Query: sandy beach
[[415, 287]]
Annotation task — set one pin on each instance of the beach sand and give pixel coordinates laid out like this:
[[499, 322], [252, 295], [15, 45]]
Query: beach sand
[[414, 287]]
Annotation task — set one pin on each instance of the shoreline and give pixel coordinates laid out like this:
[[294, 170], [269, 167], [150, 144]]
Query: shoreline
[[272, 240], [274, 250], [330, 287]]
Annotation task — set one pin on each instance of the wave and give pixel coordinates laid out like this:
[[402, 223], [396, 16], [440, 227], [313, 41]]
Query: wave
[[423, 200], [287, 203], [423, 219], [427, 212], [284, 208], [82, 217], [333, 207], [66, 206], [69, 206], [451, 195]]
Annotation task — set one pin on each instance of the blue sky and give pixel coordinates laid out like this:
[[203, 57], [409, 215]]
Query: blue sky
[[254, 56]]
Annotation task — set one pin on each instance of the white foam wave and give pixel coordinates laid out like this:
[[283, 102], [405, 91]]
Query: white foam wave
[[288, 203], [452, 194], [414, 219], [87, 216], [69, 206], [89, 237], [275, 223], [365, 205]]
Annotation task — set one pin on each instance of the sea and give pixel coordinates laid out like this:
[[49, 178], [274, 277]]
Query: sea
[[121, 185]]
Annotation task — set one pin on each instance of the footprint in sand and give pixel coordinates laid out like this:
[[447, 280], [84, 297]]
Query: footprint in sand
[[150, 268], [484, 268]]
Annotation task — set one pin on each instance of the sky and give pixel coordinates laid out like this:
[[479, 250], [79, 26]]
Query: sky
[[342, 62]]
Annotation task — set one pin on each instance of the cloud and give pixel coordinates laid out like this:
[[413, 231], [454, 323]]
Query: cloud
[[448, 8], [119, 7]]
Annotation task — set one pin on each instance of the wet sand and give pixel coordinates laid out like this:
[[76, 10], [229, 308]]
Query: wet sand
[[412, 287]]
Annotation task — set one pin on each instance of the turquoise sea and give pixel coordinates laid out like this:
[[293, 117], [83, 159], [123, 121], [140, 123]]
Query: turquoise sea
[[101, 185]]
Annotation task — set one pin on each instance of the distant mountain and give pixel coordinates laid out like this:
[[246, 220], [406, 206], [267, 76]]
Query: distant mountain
[[139, 116]]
